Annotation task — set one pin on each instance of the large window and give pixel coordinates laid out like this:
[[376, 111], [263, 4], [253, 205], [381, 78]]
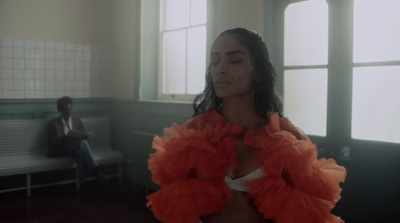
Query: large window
[[328, 63], [376, 70], [305, 65], [182, 48]]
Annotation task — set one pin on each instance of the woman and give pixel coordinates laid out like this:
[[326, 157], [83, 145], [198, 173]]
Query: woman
[[236, 160]]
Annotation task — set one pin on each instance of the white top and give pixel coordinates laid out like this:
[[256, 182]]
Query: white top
[[240, 183], [67, 127]]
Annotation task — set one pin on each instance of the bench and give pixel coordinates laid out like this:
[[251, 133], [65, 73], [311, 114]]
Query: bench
[[23, 148]]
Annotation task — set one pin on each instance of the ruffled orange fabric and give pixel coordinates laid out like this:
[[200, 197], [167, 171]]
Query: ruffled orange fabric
[[192, 160]]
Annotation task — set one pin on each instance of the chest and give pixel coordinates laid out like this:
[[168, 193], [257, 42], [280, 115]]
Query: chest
[[246, 158]]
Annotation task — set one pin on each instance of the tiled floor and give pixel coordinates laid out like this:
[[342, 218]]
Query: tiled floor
[[60, 204]]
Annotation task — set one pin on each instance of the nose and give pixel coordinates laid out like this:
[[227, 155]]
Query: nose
[[220, 68]]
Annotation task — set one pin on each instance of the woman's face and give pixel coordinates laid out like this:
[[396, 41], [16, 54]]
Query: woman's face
[[232, 69]]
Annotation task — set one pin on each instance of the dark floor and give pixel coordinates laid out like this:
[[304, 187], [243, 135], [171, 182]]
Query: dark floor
[[103, 202]]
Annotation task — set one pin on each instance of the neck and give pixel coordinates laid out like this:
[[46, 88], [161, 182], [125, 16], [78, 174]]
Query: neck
[[66, 118], [242, 112]]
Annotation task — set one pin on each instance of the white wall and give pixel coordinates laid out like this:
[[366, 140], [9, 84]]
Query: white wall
[[69, 21]]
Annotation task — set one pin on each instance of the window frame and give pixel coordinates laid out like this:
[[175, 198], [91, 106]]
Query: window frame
[[160, 76]]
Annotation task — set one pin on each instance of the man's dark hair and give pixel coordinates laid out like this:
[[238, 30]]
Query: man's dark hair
[[266, 98], [62, 102]]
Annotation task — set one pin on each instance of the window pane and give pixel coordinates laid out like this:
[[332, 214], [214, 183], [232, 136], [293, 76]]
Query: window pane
[[176, 14], [376, 103], [376, 30], [305, 99], [306, 33], [174, 62], [196, 59], [198, 12]]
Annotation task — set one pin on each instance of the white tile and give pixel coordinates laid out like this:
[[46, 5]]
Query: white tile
[[79, 94], [39, 44], [18, 63], [78, 75], [79, 65], [39, 54], [50, 85], [6, 51], [19, 74], [18, 52], [50, 54], [60, 55], [50, 65], [86, 48], [8, 84], [59, 46], [60, 85], [69, 47], [69, 75], [86, 66], [40, 75], [7, 63], [8, 94], [78, 56], [40, 94], [50, 75], [29, 44], [50, 45], [29, 74], [30, 64], [19, 94], [7, 74], [29, 85], [19, 85], [60, 65], [78, 85], [69, 65], [69, 55], [40, 85], [60, 75], [29, 53], [18, 43], [7, 42], [30, 94], [39, 64], [69, 85], [78, 47], [86, 85]]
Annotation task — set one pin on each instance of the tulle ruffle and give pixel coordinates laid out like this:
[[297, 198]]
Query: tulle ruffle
[[312, 187], [205, 145], [186, 200]]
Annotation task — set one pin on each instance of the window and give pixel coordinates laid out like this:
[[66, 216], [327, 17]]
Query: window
[[376, 71], [182, 48], [305, 65], [341, 76]]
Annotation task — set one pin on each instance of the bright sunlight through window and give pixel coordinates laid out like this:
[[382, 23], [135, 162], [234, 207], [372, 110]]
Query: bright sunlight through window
[[183, 50], [306, 45], [376, 102]]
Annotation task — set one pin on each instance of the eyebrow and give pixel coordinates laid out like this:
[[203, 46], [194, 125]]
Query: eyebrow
[[228, 53]]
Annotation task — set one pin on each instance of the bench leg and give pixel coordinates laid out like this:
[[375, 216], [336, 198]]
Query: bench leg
[[28, 184], [120, 173], [77, 179]]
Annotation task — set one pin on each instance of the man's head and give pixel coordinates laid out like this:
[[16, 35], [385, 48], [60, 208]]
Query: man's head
[[64, 106]]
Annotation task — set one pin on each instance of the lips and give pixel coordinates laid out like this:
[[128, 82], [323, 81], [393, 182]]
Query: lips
[[221, 82]]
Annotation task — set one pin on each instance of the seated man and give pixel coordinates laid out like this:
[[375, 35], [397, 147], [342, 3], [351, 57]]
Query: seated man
[[65, 145]]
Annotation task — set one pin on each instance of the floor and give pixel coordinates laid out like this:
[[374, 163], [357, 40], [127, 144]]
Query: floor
[[103, 202]]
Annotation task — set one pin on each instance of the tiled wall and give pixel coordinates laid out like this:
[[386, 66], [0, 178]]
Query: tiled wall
[[38, 69]]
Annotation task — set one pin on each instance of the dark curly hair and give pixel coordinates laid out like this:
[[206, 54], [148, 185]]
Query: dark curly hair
[[62, 102], [266, 98]]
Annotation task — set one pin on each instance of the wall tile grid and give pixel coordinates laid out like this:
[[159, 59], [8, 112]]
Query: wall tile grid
[[37, 69]]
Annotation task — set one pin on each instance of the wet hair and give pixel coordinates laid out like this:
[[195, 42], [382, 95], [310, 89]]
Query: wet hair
[[266, 98], [62, 102]]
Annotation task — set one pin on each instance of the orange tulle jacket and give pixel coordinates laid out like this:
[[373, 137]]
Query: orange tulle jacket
[[191, 161]]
